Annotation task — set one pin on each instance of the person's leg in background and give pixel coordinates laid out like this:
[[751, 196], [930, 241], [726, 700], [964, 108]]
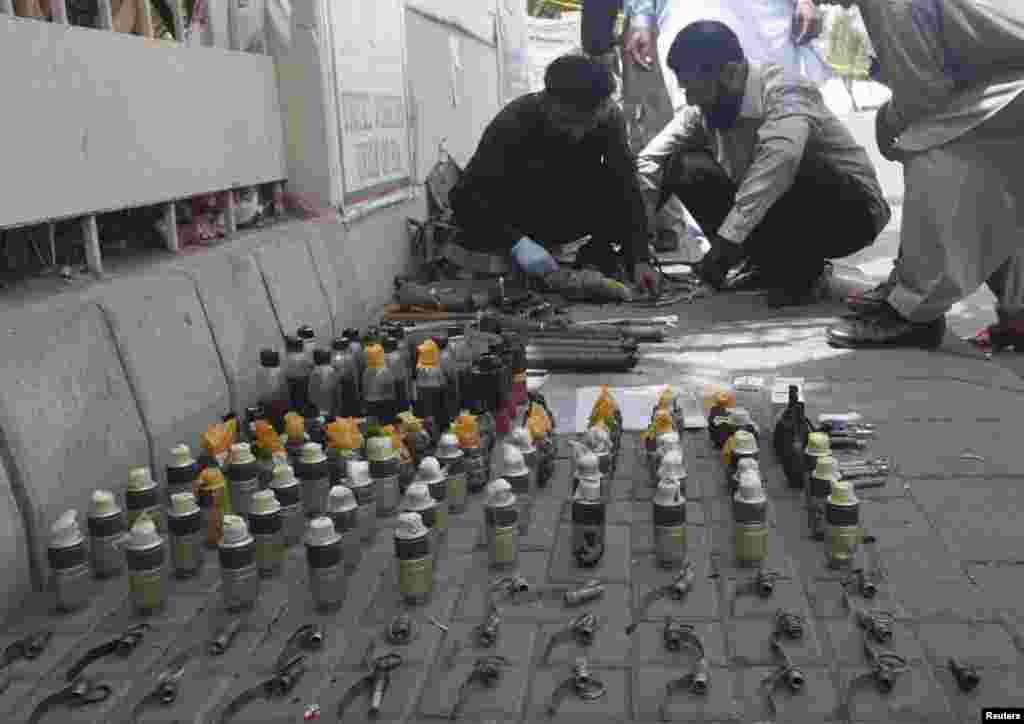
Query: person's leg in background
[[1007, 283]]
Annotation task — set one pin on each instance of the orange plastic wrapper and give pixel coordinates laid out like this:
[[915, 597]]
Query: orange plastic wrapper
[[718, 394], [217, 439], [604, 409], [410, 424], [295, 427], [211, 490], [666, 398], [397, 443], [468, 432], [267, 438], [343, 434], [727, 450], [662, 423], [538, 423]]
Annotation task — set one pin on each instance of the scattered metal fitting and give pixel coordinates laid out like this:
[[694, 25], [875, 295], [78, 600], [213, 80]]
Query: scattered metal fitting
[[512, 587], [375, 684], [763, 585], [486, 633], [581, 683], [854, 469], [307, 638], [886, 666], [590, 591], [581, 629], [224, 637], [790, 625], [168, 682], [281, 684], [123, 646], [683, 584], [877, 625], [792, 676], [400, 631], [864, 585], [676, 590], [967, 677], [440, 626], [80, 692], [486, 673], [677, 634], [696, 682], [28, 648]]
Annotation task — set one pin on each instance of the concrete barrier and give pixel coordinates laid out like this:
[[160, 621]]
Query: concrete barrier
[[16, 583], [295, 288], [69, 416], [170, 357]]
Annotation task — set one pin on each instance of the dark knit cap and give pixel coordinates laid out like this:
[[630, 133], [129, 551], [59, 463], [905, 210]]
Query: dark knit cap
[[579, 81], [705, 46]]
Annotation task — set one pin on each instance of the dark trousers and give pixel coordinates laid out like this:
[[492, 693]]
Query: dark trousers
[[824, 215]]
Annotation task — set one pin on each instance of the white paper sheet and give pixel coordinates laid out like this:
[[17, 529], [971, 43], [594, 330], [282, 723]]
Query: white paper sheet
[[636, 404]]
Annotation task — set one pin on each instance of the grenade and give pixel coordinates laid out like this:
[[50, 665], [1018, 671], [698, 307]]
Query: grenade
[[664, 444], [378, 387], [842, 518], [468, 432], [297, 367], [662, 424], [344, 513], [185, 527], [325, 558], [354, 407], [395, 361], [69, 564], [672, 468], [818, 446], [742, 466], [417, 500], [415, 558], [429, 474], [296, 437], [826, 472], [452, 458], [718, 418], [669, 524], [743, 446], [311, 470], [274, 396], [750, 507], [243, 475], [501, 514], [146, 556], [521, 438], [598, 440], [183, 472], [240, 579], [143, 496], [213, 504], [361, 483], [107, 530], [431, 389], [384, 467], [588, 469], [346, 375], [307, 335], [322, 383], [266, 523], [588, 524], [288, 492], [518, 476]]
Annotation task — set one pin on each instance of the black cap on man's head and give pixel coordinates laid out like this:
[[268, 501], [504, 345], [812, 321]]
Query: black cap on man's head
[[579, 81], [705, 47]]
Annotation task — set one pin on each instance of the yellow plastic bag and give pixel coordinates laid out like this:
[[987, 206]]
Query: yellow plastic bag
[[267, 438], [343, 434], [295, 427], [468, 431]]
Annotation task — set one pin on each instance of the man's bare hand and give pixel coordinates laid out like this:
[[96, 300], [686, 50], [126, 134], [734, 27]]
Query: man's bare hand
[[646, 279], [807, 23], [641, 45]]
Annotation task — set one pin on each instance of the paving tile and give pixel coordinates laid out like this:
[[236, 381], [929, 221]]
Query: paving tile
[[647, 644], [641, 537], [420, 651], [847, 642], [544, 525], [979, 519], [978, 644], [927, 598], [614, 566], [895, 523], [701, 602], [39, 610], [464, 534], [815, 703], [399, 700], [916, 696], [613, 706], [721, 700], [998, 687], [1003, 585], [938, 449], [442, 689], [516, 642], [920, 558], [750, 643]]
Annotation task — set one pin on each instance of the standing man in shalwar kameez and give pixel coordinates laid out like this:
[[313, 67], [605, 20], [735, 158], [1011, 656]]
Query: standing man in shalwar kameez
[[956, 121]]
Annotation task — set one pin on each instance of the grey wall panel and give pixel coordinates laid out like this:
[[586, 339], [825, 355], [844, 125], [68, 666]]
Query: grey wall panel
[[16, 582], [96, 120], [294, 286]]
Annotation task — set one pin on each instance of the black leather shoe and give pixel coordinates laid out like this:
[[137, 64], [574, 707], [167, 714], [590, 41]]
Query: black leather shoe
[[884, 327]]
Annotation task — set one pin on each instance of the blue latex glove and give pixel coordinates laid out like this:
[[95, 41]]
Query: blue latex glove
[[533, 258]]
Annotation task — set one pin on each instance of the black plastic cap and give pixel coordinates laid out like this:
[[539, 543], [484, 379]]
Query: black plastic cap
[[351, 333], [270, 358], [488, 362], [293, 344], [305, 332], [390, 344], [398, 332], [321, 356], [340, 344], [455, 330]]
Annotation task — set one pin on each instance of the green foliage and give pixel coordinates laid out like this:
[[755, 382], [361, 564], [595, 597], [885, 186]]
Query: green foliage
[[848, 47]]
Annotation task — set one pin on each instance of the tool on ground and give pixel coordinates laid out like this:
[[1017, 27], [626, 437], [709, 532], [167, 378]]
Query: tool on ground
[[168, 683], [862, 581], [676, 634], [876, 624], [886, 667], [28, 648], [80, 692], [286, 677], [375, 684], [967, 677], [696, 682], [581, 629], [123, 646], [763, 584], [307, 638], [786, 674], [224, 637], [791, 625], [511, 587], [400, 631], [486, 673], [589, 591], [486, 633], [581, 683], [676, 590], [866, 468]]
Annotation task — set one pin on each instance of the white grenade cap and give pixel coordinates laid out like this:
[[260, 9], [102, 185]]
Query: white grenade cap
[[235, 530], [417, 498], [380, 448], [521, 438], [668, 493], [144, 533], [284, 476], [746, 443], [183, 503], [313, 452], [104, 503], [499, 494], [65, 531], [341, 500], [747, 464], [588, 467], [672, 466], [588, 489], [513, 463], [359, 473], [320, 532], [750, 489], [429, 471], [241, 454], [448, 446], [264, 502], [140, 479], [826, 468], [182, 456], [410, 526], [668, 440]]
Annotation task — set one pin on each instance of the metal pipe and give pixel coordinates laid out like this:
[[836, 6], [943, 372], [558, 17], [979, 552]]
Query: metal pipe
[[578, 360]]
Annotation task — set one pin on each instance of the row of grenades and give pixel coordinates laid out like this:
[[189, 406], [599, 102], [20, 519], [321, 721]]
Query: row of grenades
[[662, 445]]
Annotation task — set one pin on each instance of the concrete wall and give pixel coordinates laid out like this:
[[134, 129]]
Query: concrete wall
[[95, 121]]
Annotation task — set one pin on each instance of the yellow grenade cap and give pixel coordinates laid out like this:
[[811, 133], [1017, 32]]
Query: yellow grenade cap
[[818, 444], [375, 357], [429, 354], [343, 434], [662, 422], [468, 431], [666, 398], [727, 450], [295, 427]]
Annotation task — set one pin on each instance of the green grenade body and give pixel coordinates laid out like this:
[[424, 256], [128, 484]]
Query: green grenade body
[[107, 537], [268, 531], [751, 534], [521, 489], [146, 584], [670, 532], [502, 536], [385, 482], [240, 579], [415, 568], [439, 492], [328, 584], [843, 533], [455, 480], [188, 543]]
